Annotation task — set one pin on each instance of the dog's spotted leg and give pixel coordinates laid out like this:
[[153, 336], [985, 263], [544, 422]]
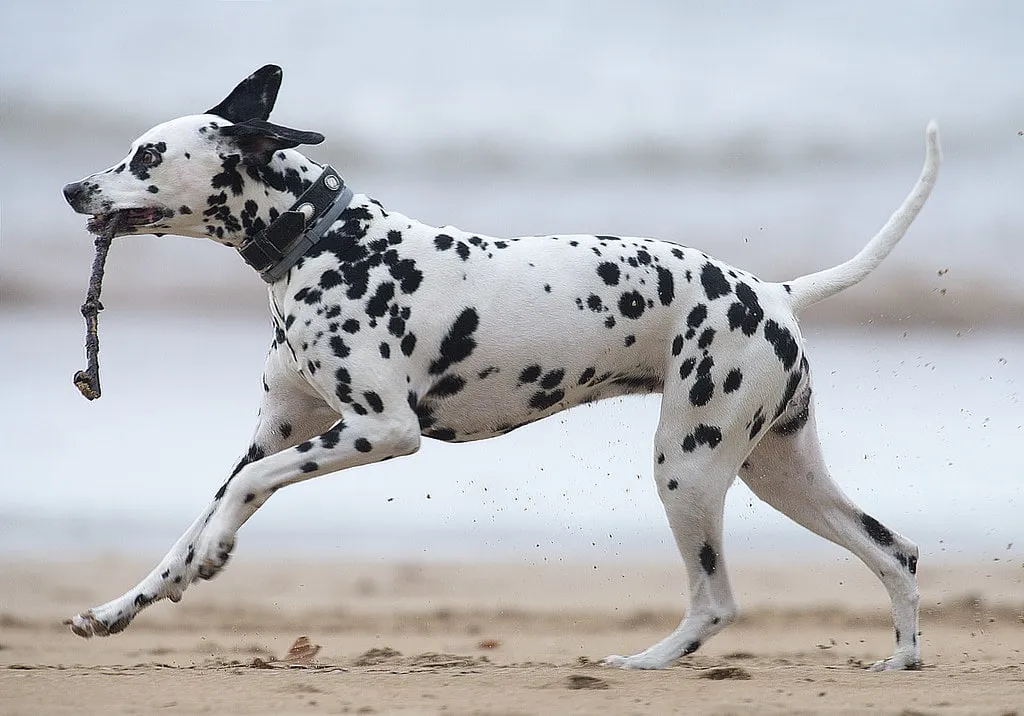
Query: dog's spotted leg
[[787, 471], [693, 475], [354, 440], [287, 417]]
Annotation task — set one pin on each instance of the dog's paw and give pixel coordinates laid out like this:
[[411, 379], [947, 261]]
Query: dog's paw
[[214, 556], [637, 661], [897, 662], [87, 624]]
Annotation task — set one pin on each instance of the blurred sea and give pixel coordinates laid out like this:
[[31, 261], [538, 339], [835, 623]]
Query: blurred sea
[[777, 136]]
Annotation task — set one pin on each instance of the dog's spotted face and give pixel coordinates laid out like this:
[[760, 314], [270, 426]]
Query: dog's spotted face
[[175, 159], [218, 166]]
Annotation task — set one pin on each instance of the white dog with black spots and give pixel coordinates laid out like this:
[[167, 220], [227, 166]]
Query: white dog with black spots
[[387, 330]]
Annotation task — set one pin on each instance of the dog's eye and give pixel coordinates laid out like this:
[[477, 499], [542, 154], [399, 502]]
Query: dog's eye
[[149, 157]]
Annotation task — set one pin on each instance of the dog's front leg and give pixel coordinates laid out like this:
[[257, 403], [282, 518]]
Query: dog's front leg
[[352, 441], [288, 416]]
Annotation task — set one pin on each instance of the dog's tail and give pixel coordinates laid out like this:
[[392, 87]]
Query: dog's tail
[[808, 290]]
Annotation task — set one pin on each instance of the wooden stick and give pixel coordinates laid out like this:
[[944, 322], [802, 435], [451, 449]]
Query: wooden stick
[[88, 381]]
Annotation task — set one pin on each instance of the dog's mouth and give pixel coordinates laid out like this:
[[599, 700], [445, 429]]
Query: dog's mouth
[[128, 219]]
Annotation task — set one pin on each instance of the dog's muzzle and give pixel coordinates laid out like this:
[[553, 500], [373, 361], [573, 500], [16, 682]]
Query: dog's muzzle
[[76, 192]]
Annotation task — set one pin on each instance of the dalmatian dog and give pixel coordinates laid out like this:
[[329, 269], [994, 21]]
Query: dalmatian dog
[[387, 330]]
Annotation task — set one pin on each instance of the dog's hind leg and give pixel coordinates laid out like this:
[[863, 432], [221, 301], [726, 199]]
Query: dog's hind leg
[[694, 469], [787, 471]]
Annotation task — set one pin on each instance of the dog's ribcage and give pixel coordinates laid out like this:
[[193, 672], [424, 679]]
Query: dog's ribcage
[[480, 335]]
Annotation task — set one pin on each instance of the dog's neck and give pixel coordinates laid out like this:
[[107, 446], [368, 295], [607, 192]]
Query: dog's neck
[[273, 252], [254, 196]]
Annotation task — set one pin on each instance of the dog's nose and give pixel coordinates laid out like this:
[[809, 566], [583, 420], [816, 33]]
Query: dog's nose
[[73, 193]]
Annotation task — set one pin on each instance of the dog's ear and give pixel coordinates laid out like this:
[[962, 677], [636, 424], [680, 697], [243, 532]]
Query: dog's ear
[[258, 139], [253, 98]]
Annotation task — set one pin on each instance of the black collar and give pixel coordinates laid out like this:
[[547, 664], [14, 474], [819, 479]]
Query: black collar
[[292, 234]]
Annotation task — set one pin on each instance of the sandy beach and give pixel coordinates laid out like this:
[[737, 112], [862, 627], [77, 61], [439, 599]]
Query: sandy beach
[[504, 639]]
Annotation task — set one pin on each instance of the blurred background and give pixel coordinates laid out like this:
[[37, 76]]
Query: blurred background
[[778, 136]]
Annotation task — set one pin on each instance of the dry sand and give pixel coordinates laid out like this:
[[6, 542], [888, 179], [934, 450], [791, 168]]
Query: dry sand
[[504, 639]]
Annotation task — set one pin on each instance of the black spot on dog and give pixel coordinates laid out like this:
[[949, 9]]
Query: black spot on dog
[[542, 401], [709, 435], [329, 439], [708, 559], [304, 446], [445, 434], [363, 445], [732, 380], [672, 484], [702, 390], [877, 531], [350, 326], [786, 348], [609, 273], [339, 348], [385, 350], [706, 338], [586, 376], [309, 466], [153, 189], [594, 303], [229, 175], [661, 458], [697, 315], [631, 304], [459, 343], [686, 368], [677, 345], [443, 242], [629, 340], [552, 379], [285, 430], [377, 306], [449, 384], [396, 326], [310, 296], [609, 322], [666, 286], [408, 344], [329, 279], [746, 313], [530, 374], [374, 401], [408, 276], [714, 281], [756, 424]]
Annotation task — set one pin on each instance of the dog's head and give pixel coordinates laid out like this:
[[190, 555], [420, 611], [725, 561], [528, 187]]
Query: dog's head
[[219, 174]]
